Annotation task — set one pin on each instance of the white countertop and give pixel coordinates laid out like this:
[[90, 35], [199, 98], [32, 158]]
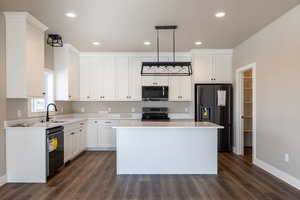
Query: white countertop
[[171, 124], [77, 117]]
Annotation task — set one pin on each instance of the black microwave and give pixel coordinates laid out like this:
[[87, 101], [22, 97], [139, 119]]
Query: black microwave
[[155, 93]]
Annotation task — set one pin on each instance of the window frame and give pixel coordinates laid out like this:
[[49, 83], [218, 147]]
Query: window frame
[[31, 113]]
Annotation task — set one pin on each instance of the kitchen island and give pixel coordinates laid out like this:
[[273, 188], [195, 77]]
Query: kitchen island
[[167, 148]]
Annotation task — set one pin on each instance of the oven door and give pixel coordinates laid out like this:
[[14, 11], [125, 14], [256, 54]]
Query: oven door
[[155, 93]]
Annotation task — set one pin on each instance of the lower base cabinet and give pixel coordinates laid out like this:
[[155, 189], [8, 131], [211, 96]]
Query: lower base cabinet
[[101, 135], [74, 140]]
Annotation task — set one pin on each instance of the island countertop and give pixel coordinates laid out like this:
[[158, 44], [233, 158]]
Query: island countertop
[[170, 124]]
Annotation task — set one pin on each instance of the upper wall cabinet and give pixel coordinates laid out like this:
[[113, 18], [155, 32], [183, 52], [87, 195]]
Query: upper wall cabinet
[[110, 78], [212, 66], [66, 67], [25, 42], [97, 78]]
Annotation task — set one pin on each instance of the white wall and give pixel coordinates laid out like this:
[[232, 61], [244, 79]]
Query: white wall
[[276, 51], [2, 94]]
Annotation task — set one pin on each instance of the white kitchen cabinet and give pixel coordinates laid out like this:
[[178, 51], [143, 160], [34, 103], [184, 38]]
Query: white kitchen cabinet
[[223, 68], [134, 82], [107, 134], [122, 78], [97, 78], [101, 135], [128, 78], [66, 67], [106, 76], [180, 88], [203, 68], [92, 133], [74, 140], [68, 145], [214, 67], [25, 45]]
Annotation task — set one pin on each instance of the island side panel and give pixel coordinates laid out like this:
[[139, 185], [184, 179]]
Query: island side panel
[[26, 155], [167, 151]]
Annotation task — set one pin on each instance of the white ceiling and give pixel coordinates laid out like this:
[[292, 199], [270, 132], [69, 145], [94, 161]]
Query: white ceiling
[[123, 25]]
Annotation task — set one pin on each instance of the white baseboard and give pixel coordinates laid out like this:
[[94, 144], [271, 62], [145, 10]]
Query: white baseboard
[[101, 149], [234, 150], [293, 181], [2, 180]]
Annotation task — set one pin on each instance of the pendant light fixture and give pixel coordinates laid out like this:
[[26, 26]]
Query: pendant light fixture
[[171, 68], [55, 40]]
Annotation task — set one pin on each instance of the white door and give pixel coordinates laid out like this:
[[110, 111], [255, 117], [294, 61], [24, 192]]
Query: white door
[[92, 133], [223, 68], [203, 68], [122, 77]]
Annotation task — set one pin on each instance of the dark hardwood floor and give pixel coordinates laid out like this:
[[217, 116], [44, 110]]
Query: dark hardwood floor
[[248, 154], [92, 176]]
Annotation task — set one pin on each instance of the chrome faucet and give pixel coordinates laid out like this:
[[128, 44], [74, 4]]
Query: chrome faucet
[[47, 116]]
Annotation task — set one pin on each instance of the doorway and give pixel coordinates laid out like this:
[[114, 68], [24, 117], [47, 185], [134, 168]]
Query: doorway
[[245, 132]]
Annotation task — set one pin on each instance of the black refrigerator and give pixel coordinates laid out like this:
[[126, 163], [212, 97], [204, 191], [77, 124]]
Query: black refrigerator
[[214, 103]]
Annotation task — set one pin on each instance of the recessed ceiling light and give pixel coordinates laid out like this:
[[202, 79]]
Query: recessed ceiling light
[[147, 43], [220, 14], [96, 43], [198, 43], [71, 15]]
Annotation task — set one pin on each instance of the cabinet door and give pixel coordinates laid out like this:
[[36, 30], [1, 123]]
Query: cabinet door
[[85, 79], [95, 76], [82, 139], [180, 88], [174, 88], [34, 61], [107, 137], [223, 68], [203, 68], [108, 82], [134, 82], [73, 76], [122, 77], [92, 133], [67, 146], [185, 88]]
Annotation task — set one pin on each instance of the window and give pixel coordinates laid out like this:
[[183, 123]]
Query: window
[[39, 104]]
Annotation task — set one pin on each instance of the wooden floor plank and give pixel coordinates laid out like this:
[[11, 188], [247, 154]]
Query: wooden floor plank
[[92, 176]]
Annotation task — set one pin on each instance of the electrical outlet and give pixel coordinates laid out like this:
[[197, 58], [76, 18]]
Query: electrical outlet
[[62, 109], [132, 109], [286, 157], [186, 109], [19, 113], [82, 110], [109, 109]]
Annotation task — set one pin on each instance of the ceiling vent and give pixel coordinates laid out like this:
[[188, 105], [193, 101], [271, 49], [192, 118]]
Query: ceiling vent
[[171, 68], [55, 40]]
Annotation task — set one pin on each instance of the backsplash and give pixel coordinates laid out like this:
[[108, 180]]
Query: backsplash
[[18, 108], [127, 107]]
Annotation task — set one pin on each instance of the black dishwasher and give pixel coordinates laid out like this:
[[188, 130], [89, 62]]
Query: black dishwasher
[[54, 150]]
